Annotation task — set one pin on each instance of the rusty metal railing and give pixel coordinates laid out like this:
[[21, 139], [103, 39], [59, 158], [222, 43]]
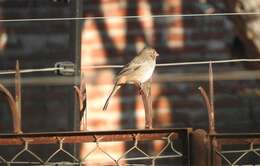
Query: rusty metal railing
[[207, 147], [210, 148], [221, 152], [60, 139]]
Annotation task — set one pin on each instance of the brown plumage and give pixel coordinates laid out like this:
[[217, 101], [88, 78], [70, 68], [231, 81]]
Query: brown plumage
[[138, 70]]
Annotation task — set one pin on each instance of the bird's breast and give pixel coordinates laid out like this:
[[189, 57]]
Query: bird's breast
[[143, 73]]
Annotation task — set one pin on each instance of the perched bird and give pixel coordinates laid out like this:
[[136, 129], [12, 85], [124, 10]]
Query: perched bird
[[137, 71]]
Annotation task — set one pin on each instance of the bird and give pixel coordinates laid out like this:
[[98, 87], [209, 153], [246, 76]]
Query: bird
[[137, 71]]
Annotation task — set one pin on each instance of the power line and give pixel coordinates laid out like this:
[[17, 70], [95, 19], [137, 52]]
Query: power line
[[128, 17]]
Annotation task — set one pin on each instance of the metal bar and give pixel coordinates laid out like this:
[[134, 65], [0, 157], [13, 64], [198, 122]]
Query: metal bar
[[235, 135], [216, 147], [211, 86], [209, 109], [78, 8], [18, 94], [82, 97], [211, 94], [209, 100], [213, 141], [151, 157], [186, 147], [238, 141], [145, 91], [101, 136], [236, 151]]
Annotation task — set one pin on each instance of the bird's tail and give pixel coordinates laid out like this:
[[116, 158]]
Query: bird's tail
[[116, 87]]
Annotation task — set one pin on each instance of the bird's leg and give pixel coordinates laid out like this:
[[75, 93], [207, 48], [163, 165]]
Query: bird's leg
[[139, 86]]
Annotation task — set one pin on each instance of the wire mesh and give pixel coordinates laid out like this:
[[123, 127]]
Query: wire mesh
[[238, 151], [241, 153], [26, 154]]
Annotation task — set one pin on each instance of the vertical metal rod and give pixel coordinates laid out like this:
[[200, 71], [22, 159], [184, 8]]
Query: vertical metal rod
[[81, 94], [18, 93], [211, 92], [216, 147], [145, 91], [214, 144], [208, 105], [209, 100], [78, 8], [211, 151], [185, 137], [83, 109]]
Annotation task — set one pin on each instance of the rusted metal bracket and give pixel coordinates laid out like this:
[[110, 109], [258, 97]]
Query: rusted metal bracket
[[15, 104]]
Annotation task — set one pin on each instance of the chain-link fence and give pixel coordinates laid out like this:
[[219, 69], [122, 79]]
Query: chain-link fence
[[149, 147]]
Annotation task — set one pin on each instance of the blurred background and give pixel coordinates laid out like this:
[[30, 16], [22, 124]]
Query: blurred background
[[110, 36]]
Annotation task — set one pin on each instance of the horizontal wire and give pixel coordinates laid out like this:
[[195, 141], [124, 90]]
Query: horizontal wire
[[177, 63], [157, 78], [30, 70], [129, 17], [207, 62], [120, 66]]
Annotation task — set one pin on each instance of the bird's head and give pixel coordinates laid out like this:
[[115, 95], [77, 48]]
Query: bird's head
[[151, 51]]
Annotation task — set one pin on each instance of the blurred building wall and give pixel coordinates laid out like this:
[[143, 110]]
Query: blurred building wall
[[107, 41], [112, 39], [37, 44], [176, 100]]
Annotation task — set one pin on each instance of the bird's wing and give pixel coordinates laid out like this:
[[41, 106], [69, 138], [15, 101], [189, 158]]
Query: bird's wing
[[133, 65], [128, 69]]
